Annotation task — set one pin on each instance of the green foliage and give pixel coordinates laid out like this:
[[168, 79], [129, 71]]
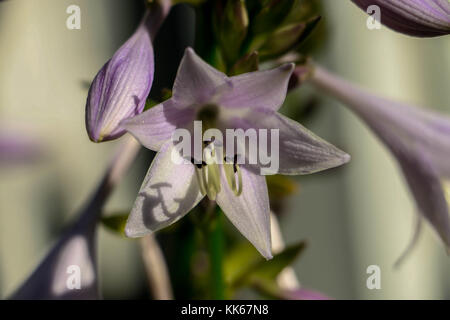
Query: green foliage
[[244, 267], [247, 63], [231, 25], [281, 186], [115, 223], [231, 31]]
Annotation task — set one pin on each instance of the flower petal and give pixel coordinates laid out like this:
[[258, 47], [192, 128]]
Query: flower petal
[[156, 125], [425, 131], [168, 192], [196, 81], [300, 150], [427, 190], [121, 87], [418, 139], [421, 18], [249, 212], [259, 89]]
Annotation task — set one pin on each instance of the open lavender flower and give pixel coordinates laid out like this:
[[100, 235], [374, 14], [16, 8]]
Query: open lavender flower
[[420, 141], [120, 88], [247, 101], [420, 18]]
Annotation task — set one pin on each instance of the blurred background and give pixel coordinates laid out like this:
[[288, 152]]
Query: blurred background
[[354, 216]]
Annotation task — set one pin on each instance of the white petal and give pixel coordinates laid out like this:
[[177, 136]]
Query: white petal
[[249, 212], [196, 81], [168, 192], [156, 125], [259, 89], [300, 150]]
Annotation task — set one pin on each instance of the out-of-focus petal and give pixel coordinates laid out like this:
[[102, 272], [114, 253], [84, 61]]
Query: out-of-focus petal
[[73, 257], [168, 192], [419, 140], [17, 147], [427, 190], [156, 125], [259, 89], [423, 131], [420, 18], [121, 87], [196, 81], [249, 212]]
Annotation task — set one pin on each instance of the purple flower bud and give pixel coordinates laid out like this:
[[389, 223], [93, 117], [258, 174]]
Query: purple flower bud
[[120, 88], [420, 18]]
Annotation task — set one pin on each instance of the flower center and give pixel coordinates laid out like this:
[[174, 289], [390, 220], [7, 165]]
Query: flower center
[[208, 115], [208, 172]]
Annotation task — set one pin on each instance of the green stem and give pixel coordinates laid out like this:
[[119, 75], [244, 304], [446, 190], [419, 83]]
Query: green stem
[[216, 252]]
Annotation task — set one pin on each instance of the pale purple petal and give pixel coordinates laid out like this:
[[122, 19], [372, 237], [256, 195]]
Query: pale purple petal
[[419, 140], [17, 147], [249, 212], [421, 18], [196, 81], [425, 132], [168, 192], [426, 188], [121, 87], [156, 125], [300, 150], [259, 89]]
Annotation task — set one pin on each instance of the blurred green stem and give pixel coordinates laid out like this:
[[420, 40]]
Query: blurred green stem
[[215, 243]]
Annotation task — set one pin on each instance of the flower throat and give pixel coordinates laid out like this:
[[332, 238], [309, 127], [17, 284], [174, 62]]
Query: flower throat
[[208, 172]]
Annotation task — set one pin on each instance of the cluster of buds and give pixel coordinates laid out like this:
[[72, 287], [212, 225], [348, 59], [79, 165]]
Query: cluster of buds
[[246, 32]]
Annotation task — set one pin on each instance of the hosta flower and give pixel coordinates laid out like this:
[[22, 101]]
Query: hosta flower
[[421, 18], [247, 101], [419, 139], [120, 88]]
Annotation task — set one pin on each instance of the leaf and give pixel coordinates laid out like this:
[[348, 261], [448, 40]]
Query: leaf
[[282, 40], [281, 186], [230, 25], [149, 103], [247, 63], [262, 270], [115, 223], [270, 269], [271, 16], [240, 258]]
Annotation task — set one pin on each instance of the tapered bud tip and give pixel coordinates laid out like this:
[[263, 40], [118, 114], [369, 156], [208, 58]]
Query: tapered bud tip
[[121, 87]]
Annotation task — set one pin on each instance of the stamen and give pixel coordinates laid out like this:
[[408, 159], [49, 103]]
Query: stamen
[[211, 173], [201, 184], [230, 173]]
